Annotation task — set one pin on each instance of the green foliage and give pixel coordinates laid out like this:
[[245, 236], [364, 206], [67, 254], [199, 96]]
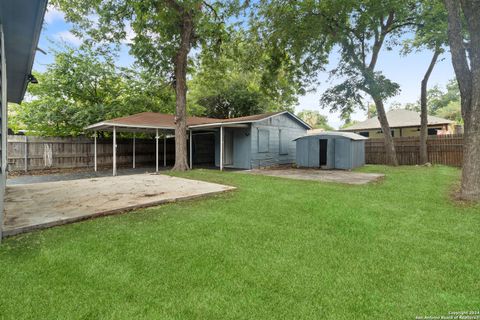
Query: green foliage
[[234, 100], [150, 28], [314, 119], [235, 81], [451, 111], [371, 111], [438, 98], [444, 103], [308, 30], [430, 27], [82, 87]]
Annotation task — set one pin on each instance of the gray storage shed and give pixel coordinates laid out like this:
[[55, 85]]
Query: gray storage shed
[[331, 150]]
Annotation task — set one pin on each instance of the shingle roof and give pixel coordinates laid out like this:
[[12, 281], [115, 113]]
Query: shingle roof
[[154, 120], [397, 119]]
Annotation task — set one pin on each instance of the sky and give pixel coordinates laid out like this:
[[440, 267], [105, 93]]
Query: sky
[[407, 71]]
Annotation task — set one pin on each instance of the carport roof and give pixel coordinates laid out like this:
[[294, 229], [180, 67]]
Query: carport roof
[[153, 120]]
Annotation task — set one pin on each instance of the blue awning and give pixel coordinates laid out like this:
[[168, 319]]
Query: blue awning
[[22, 22]]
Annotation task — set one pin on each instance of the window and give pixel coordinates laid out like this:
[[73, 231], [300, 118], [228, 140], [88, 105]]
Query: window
[[283, 142], [263, 140], [432, 131], [364, 134]]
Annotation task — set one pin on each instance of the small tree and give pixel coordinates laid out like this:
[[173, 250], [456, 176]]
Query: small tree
[[464, 41]]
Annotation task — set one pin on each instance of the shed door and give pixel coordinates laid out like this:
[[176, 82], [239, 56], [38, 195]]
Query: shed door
[[323, 144]]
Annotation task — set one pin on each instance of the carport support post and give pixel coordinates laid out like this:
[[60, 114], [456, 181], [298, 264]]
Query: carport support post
[[221, 148], [114, 151], [164, 149], [156, 150], [191, 163], [133, 155], [95, 151]]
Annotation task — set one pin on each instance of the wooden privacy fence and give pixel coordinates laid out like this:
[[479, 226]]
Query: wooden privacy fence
[[444, 149], [31, 153]]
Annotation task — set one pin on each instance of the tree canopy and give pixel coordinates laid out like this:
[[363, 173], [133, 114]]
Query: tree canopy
[[315, 119], [236, 82], [82, 87]]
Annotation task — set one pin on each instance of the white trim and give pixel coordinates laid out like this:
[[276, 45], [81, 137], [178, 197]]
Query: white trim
[[95, 151], [221, 148], [164, 150], [156, 150]]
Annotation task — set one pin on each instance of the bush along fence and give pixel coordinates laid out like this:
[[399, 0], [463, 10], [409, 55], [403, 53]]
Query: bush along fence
[[444, 149], [34, 153]]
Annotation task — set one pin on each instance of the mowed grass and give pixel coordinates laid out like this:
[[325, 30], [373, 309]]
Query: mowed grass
[[272, 249]]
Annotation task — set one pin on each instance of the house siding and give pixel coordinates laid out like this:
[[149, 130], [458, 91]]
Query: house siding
[[290, 129]]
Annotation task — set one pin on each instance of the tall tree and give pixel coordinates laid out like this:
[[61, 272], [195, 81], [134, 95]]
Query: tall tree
[[464, 40], [160, 33], [309, 29], [430, 33]]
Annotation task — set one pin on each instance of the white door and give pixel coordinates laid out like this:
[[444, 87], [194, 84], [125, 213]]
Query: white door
[[228, 147]]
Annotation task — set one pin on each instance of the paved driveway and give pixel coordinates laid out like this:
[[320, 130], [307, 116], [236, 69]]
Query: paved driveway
[[340, 176], [46, 204]]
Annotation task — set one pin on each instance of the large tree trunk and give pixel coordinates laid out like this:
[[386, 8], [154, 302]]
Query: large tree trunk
[[390, 153], [468, 77], [424, 109], [181, 59]]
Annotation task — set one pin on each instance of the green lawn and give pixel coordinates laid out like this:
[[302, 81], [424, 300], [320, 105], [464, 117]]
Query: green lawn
[[273, 249]]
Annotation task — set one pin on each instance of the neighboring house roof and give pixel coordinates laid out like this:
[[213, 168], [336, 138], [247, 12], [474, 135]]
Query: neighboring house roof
[[397, 119], [348, 135], [154, 120], [22, 22]]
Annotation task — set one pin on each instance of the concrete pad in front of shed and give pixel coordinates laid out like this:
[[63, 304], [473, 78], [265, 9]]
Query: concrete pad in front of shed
[[41, 205], [339, 176]]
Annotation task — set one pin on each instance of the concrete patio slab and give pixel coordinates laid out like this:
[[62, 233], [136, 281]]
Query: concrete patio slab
[[339, 176], [42, 205]]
